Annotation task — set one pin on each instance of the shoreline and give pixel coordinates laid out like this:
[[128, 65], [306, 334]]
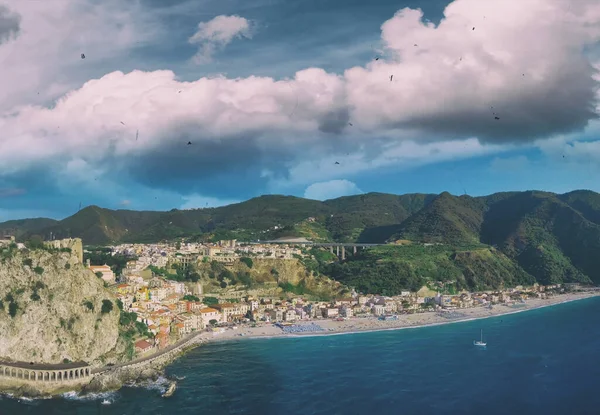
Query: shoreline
[[153, 370], [357, 325]]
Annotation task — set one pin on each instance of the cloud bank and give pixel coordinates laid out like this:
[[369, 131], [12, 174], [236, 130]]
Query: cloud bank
[[434, 96]]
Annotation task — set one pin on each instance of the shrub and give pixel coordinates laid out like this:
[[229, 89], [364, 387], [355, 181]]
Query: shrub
[[107, 306], [213, 322], [35, 296], [98, 274], [28, 262], [12, 309], [20, 291], [89, 305], [247, 261], [190, 298], [67, 266], [210, 300], [38, 270], [223, 284], [39, 286]]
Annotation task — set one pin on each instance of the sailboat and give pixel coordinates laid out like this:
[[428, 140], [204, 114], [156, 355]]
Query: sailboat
[[480, 343]]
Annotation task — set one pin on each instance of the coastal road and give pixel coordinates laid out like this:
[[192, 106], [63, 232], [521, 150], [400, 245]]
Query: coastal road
[[183, 342]]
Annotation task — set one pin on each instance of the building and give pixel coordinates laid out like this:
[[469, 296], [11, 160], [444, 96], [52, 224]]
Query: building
[[207, 314], [143, 346], [74, 244], [107, 274]]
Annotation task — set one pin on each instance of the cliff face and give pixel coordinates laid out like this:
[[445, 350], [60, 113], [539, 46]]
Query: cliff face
[[52, 309], [266, 276]]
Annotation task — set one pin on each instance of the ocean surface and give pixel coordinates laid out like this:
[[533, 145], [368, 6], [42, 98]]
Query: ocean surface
[[541, 361]]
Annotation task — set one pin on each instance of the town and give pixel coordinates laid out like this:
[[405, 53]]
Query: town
[[173, 310]]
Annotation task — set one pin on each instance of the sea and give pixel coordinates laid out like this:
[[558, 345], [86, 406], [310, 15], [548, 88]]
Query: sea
[[539, 361]]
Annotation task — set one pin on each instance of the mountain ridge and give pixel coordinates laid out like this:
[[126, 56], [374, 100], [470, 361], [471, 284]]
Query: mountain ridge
[[550, 237]]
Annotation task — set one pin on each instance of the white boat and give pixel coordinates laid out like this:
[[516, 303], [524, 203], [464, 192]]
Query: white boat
[[106, 402], [480, 343]]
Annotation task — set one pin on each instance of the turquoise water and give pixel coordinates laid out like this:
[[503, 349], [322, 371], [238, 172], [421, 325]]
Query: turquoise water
[[540, 361]]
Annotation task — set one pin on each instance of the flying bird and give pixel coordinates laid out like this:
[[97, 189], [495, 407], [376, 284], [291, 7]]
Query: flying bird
[[496, 118], [473, 28], [350, 124], [83, 56], [136, 134], [189, 143], [377, 58], [122, 123], [337, 162], [391, 77]]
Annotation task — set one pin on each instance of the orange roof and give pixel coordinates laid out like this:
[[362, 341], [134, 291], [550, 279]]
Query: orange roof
[[142, 344], [208, 310], [123, 285]]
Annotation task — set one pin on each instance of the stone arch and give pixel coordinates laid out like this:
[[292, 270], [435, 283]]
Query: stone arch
[[13, 373], [70, 374]]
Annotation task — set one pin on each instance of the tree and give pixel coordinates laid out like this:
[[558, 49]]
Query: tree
[[213, 322], [190, 298], [210, 300], [107, 306], [98, 274], [247, 261], [35, 242]]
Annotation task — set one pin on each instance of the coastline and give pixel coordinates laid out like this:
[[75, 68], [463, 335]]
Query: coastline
[[356, 325], [153, 370]]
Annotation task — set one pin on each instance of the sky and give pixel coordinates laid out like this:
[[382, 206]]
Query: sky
[[154, 105]]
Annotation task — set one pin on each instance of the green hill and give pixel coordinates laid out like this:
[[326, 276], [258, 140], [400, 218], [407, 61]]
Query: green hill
[[21, 226], [487, 241]]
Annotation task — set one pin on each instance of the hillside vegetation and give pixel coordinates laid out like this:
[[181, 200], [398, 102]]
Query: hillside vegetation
[[520, 236]]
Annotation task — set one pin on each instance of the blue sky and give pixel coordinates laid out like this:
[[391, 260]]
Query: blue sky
[[292, 97]]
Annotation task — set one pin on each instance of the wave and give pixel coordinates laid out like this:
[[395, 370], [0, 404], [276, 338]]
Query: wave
[[75, 396]]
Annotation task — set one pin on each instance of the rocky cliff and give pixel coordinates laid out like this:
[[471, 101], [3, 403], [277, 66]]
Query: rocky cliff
[[266, 277], [53, 309]]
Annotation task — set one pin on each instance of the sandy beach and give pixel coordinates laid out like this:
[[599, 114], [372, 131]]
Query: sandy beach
[[371, 323]]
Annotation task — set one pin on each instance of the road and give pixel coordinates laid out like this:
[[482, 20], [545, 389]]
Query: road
[[162, 352]]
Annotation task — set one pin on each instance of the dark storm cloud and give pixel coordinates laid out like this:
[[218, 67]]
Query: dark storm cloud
[[563, 105], [214, 168], [10, 24], [335, 122]]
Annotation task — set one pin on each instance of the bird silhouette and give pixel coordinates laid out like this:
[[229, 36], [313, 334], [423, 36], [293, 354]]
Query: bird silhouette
[[189, 143], [82, 56], [337, 162]]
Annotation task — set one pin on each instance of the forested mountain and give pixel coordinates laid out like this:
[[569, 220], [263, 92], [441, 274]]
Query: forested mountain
[[511, 237]]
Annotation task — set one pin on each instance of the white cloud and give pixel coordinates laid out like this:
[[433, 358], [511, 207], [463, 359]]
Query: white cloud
[[42, 60], [199, 202], [331, 190], [125, 202], [218, 33], [433, 96]]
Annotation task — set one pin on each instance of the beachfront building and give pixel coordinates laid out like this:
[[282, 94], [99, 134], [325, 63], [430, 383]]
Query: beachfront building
[[289, 315], [275, 315], [207, 314], [378, 309]]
